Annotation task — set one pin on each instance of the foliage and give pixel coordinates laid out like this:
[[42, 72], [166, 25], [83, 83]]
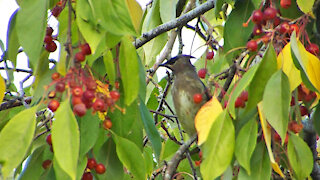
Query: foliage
[[99, 111]]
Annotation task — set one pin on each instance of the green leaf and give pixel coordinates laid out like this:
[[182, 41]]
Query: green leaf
[[168, 10], [235, 35], [260, 165], [276, 102], [59, 172], [131, 157], [246, 143], [109, 65], [316, 118], [42, 68], [143, 84], [151, 130], [256, 3], [218, 152], [148, 157], [168, 150], [31, 26], [33, 166], [82, 164], [15, 139], [65, 139], [305, 6], [12, 41], [242, 85], [89, 129], [267, 67], [129, 69], [300, 157], [152, 20]]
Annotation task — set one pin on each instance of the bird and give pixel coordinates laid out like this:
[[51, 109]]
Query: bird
[[186, 83]]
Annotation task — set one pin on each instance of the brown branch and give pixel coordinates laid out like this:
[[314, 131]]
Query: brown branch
[[174, 162], [181, 21], [14, 103], [17, 70]]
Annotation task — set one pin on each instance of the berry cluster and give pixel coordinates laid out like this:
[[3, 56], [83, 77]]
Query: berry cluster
[[241, 100], [85, 90], [93, 165], [50, 45], [202, 72], [198, 162], [81, 55]]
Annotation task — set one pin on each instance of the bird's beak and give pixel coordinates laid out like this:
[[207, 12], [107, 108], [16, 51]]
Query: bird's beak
[[165, 65]]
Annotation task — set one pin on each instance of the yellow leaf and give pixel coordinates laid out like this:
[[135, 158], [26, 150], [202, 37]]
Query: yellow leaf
[[311, 64], [205, 117], [267, 137], [285, 62], [135, 12], [2, 88]]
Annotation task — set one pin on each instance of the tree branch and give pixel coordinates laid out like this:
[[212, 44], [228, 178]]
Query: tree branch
[[14, 103], [181, 21]]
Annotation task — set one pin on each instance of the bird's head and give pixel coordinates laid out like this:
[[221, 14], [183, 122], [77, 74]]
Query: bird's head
[[179, 63]]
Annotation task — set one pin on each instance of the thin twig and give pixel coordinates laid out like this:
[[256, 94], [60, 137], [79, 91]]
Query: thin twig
[[14, 103]]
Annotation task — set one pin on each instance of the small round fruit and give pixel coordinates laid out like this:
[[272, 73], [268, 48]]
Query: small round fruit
[[257, 16], [91, 84], [60, 86], [210, 55], [53, 105], [115, 95], [276, 21], [46, 164], [294, 27], [295, 127], [197, 98], [88, 95], [100, 169], [98, 105], [77, 91], [197, 163], [76, 100], [107, 124], [285, 4], [49, 31], [244, 95], [292, 102], [87, 176], [51, 46], [284, 27], [55, 76], [91, 164], [239, 103], [202, 73], [85, 48], [109, 102], [200, 154], [303, 111], [49, 139], [80, 57], [252, 45], [52, 94], [80, 109], [257, 30], [313, 48], [269, 13], [47, 39]]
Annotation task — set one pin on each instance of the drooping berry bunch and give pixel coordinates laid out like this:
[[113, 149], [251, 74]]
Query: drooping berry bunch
[[81, 55], [93, 165], [50, 45], [86, 92]]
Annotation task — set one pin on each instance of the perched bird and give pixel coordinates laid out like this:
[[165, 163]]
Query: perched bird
[[186, 84]]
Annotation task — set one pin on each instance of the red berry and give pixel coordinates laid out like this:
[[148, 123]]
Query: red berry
[[115, 95], [91, 84], [100, 169], [80, 109], [46, 164], [257, 16], [200, 154], [313, 48], [292, 102], [87, 176], [47, 39], [210, 55], [202, 73], [303, 111], [53, 105], [49, 31], [294, 27], [109, 102], [51, 46], [98, 105], [239, 103], [252, 45], [60, 86], [244, 95], [295, 127], [49, 140], [76, 100], [55, 76], [277, 137], [197, 98], [80, 57], [257, 30], [85, 48], [107, 124], [269, 13], [284, 28], [77, 91], [197, 163], [285, 3], [91, 164], [88, 95], [116, 85], [276, 21]]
